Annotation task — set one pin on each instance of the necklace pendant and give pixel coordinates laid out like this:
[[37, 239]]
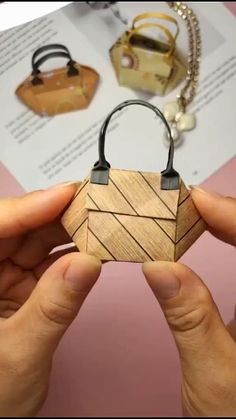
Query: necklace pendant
[[179, 122], [186, 122], [176, 135], [170, 110], [173, 115]]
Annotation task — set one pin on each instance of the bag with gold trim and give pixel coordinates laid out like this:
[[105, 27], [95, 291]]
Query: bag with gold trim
[[144, 63], [58, 90]]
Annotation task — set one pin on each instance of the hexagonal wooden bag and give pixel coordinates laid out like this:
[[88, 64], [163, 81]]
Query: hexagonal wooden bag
[[125, 215]]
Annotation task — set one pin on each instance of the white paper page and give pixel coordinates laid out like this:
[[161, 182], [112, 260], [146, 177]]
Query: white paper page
[[66, 147], [213, 142]]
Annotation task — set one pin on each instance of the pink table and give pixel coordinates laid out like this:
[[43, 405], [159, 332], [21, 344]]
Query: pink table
[[118, 358]]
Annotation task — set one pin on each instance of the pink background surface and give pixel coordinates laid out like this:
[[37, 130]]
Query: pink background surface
[[118, 358]]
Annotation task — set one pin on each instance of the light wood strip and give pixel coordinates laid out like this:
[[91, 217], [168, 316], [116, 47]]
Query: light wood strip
[[190, 228], [142, 198], [111, 180], [138, 243], [184, 193], [187, 216], [91, 203], [80, 237], [185, 199], [71, 223], [191, 236], [108, 198], [96, 248], [153, 239], [79, 226], [169, 226], [76, 213], [171, 198], [82, 185], [115, 238]]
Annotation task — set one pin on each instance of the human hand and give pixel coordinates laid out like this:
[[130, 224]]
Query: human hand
[[40, 294], [206, 348]]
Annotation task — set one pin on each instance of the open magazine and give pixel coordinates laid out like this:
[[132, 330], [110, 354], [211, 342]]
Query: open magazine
[[40, 151]]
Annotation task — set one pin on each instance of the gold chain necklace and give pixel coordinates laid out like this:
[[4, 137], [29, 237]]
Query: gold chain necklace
[[175, 112]]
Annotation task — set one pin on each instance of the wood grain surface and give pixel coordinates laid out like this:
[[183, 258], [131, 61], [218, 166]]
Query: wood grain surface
[[132, 219]]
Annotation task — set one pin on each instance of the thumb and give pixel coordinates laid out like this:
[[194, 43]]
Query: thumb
[[191, 313], [55, 302]]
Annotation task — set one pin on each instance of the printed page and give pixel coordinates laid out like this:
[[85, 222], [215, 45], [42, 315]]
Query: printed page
[[212, 143], [42, 151]]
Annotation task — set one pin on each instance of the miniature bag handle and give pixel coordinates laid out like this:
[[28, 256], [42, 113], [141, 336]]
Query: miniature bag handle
[[100, 170], [72, 70], [47, 48], [157, 15], [153, 25]]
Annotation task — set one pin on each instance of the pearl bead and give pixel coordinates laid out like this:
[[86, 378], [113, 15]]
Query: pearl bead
[[178, 116], [126, 61], [187, 122], [176, 135], [170, 110]]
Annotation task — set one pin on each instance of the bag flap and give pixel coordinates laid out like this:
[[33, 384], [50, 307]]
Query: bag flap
[[133, 193]]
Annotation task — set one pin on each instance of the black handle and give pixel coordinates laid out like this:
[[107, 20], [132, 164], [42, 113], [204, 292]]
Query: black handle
[[72, 70], [47, 48], [100, 171]]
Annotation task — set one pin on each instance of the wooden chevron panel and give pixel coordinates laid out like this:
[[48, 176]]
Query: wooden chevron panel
[[189, 224], [116, 239], [141, 196], [109, 198], [80, 237], [187, 217], [170, 198], [97, 248], [168, 226], [76, 213], [90, 203], [184, 193], [156, 243], [190, 237], [120, 197], [132, 219]]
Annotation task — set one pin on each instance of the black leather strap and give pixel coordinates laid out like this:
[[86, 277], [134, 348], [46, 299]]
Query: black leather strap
[[72, 70], [100, 171]]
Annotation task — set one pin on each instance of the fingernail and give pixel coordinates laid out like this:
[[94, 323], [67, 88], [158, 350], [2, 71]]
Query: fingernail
[[195, 187], [72, 275], [64, 184], [82, 272], [162, 280], [202, 190]]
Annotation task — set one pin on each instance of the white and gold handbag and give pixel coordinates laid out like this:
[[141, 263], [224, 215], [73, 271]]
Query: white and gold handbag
[[144, 63]]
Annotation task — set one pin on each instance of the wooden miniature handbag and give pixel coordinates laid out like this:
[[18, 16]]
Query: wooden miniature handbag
[[126, 215], [59, 90], [148, 64]]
